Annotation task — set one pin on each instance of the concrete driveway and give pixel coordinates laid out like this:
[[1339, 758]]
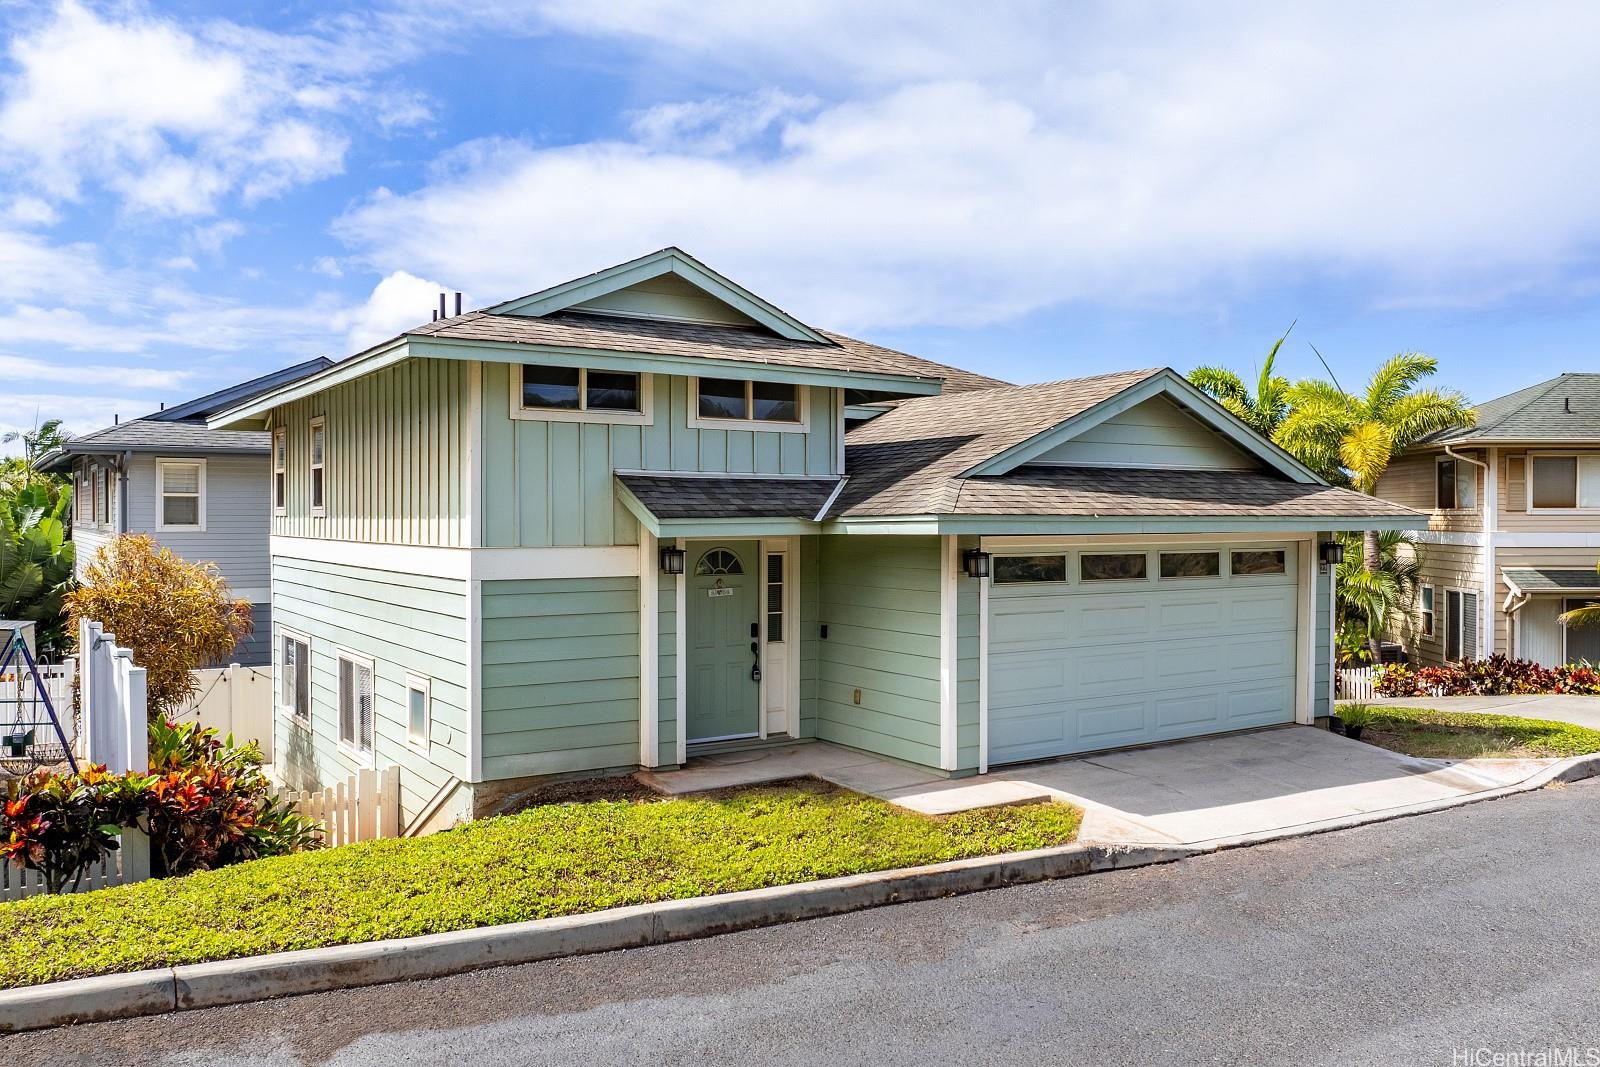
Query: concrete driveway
[[1233, 788], [1583, 711]]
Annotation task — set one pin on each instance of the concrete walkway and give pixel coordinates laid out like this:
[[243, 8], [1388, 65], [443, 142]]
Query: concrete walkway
[[1221, 789], [1561, 707]]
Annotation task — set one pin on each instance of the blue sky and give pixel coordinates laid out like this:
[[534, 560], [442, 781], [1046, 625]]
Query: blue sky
[[191, 193]]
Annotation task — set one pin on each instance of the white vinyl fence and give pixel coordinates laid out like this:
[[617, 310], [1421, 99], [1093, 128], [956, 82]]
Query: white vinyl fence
[[363, 807], [234, 700]]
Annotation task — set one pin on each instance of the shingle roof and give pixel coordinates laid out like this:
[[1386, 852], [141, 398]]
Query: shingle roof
[[148, 435], [572, 329], [670, 497], [1123, 491], [1552, 579], [907, 462], [1563, 409]]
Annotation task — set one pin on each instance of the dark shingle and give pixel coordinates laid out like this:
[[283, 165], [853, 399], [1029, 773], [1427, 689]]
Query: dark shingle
[[1563, 409], [1553, 579], [677, 497]]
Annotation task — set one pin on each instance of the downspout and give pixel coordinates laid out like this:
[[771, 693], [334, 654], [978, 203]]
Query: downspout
[[1515, 601], [122, 491], [1490, 504]]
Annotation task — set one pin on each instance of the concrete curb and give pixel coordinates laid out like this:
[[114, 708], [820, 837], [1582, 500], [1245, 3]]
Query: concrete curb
[[252, 978], [203, 985]]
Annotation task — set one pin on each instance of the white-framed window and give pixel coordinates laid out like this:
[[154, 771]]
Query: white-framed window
[[1113, 566], [1190, 564], [578, 394], [1018, 570], [1425, 604], [1455, 485], [419, 711], [717, 403], [294, 675], [1563, 481], [357, 703], [181, 493], [280, 470], [102, 496], [1256, 562], [317, 466], [1460, 625]]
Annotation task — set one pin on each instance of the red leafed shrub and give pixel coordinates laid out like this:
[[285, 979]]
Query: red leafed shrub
[[1495, 676], [62, 824]]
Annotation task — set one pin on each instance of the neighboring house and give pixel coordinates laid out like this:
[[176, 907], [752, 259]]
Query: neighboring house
[[1504, 556], [198, 491], [619, 522]]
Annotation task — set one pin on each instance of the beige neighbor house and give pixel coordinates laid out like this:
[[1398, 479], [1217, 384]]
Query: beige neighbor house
[[1513, 530]]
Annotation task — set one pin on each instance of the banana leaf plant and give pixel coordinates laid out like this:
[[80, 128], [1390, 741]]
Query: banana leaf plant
[[35, 561]]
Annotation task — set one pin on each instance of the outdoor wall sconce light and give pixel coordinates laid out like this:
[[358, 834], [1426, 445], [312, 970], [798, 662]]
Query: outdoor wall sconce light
[[1333, 553], [976, 563], [672, 560]]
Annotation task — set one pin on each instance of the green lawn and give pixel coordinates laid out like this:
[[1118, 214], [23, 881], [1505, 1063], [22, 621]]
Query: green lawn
[[1467, 735], [557, 859]]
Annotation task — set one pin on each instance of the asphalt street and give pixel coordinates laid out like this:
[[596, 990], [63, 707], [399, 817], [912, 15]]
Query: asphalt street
[[1470, 933]]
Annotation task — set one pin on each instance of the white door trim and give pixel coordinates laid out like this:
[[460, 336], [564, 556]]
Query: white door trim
[[983, 675], [649, 653], [680, 674], [1305, 710]]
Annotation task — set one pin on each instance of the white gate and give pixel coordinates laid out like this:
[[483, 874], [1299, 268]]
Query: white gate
[[234, 700]]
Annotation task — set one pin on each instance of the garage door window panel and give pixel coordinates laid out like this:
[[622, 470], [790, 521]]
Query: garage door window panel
[[1010, 570], [1113, 566], [1191, 564], [1256, 562]]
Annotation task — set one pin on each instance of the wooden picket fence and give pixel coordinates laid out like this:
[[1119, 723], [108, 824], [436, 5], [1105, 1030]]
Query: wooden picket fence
[[130, 863], [363, 807], [1357, 683]]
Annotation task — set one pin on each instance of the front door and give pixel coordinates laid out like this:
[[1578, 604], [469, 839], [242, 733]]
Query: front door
[[723, 690]]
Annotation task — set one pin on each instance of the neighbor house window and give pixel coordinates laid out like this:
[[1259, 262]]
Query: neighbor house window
[[319, 487], [294, 679], [740, 400], [1455, 485], [102, 496], [280, 470], [1018, 569], [1112, 566], [775, 598], [1460, 625], [181, 484], [1425, 599], [578, 393], [1250, 562], [1565, 482], [1191, 564], [356, 710], [419, 710]]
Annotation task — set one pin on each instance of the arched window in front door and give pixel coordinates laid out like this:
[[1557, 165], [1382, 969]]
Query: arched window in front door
[[719, 561]]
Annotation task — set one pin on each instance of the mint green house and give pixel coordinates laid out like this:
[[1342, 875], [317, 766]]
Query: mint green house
[[647, 514]]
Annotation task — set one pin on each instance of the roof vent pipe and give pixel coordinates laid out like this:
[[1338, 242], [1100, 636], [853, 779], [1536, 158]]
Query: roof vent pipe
[[458, 303], [1566, 404], [441, 305], [116, 420]]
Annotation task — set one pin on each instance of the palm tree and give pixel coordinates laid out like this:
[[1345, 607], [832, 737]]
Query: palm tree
[[1351, 437], [44, 437], [1262, 411], [1366, 597]]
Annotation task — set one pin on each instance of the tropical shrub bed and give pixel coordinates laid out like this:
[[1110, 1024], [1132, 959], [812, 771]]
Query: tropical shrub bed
[[555, 859], [1495, 676], [204, 804]]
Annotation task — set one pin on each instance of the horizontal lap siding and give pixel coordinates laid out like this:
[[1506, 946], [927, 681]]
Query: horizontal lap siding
[[560, 675], [1322, 623], [879, 598], [1443, 567], [667, 668], [396, 457], [810, 646], [238, 510], [405, 624], [550, 483]]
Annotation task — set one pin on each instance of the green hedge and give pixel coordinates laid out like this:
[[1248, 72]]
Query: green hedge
[[553, 860]]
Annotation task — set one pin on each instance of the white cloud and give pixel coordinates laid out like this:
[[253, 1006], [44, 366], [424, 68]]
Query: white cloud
[[21, 412], [28, 369], [398, 302], [968, 170], [174, 117]]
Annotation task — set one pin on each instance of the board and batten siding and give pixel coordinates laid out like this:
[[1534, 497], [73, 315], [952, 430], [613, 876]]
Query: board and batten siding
[[560, 675], [404, 623], [397, 452], [879, 598], [549, 483], [1156, 434]]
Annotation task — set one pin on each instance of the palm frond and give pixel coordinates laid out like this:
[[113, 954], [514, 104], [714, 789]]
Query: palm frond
[[1413, 417], [1365, 451], [1394, 379]]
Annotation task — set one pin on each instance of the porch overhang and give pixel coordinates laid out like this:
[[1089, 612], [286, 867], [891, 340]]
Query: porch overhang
[[676, 504], [999, 525], [1532, 581]]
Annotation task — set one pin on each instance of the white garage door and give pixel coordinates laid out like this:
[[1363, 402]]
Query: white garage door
[[1100, 648]]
